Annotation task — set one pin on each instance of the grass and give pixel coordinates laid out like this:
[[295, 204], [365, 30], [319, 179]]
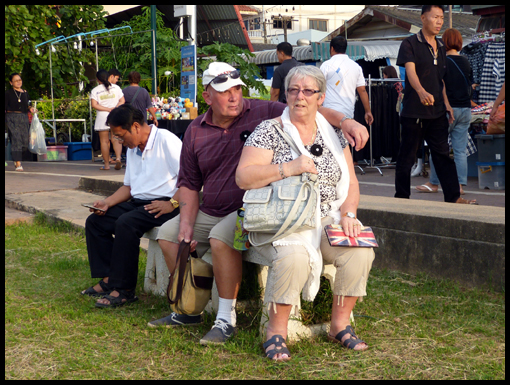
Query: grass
[[417, 328]]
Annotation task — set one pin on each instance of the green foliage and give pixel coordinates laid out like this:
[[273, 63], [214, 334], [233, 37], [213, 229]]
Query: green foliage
[[29, 25], [133, 53], [67, 109], [416, 327], [136, 56]]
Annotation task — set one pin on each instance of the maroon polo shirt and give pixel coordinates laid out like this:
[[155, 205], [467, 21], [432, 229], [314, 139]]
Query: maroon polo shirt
[[210, 155]]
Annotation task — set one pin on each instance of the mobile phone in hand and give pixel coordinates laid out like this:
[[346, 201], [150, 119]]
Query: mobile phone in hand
[[92, 207]]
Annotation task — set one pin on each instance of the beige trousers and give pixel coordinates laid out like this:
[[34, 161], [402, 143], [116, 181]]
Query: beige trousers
[[291, 267], [206, 226]]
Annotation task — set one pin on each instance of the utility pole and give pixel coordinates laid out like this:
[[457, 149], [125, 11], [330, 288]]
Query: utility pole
[[153, 46], [284, 20], [451, 15], [263, 18]]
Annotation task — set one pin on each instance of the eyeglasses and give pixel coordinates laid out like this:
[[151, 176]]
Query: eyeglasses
[[296, 91], [119, 138]]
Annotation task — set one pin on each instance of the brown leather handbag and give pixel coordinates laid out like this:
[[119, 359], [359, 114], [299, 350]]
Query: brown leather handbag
[[190, 284]]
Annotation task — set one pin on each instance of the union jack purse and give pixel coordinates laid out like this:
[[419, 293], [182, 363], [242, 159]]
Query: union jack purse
[[337, 237]]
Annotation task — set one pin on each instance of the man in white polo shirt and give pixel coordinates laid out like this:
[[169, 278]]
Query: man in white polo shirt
[[146, 200], [344, 77]]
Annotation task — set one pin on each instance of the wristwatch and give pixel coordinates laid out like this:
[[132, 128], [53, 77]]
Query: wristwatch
[[344, 119], [174, 203], [350, 215]]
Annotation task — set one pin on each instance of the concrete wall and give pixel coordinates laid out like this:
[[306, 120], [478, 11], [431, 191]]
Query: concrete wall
[[463, 243]]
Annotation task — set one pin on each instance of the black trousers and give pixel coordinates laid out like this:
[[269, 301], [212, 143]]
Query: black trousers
[[117, 258], [435, 132]]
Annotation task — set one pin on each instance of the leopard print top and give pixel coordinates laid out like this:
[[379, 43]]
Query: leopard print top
[[267, 137]]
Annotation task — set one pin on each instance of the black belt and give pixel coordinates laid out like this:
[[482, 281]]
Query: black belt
[[139, 201]]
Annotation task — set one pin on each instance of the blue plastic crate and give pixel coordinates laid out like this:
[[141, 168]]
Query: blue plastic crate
[[491, 175], [79, 150]]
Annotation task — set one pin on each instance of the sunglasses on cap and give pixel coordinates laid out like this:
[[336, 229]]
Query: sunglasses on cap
[[224, 77]]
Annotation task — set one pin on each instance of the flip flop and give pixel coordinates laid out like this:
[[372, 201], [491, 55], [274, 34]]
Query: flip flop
[[426, 189], [104, 169], [118, 165], [463, 201]]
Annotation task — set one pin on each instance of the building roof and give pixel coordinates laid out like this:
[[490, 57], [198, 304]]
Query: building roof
[[302, 53], [357, 50], [407, 22]]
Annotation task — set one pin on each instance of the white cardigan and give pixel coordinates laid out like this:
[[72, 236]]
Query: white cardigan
[[311, 239]]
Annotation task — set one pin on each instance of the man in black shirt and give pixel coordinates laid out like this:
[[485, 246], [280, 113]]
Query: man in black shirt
[[425, 106], [284, 53]]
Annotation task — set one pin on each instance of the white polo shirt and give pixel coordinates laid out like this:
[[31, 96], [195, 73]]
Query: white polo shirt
[[343, 76], [153, 173]]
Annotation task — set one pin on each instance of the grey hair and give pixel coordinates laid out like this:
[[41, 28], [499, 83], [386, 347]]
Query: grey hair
[[305, 71]]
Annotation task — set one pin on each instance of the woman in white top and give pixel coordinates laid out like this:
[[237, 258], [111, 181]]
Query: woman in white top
[[105, 97]]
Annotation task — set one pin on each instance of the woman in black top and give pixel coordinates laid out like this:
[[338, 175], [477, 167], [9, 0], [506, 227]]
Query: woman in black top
[[16, 118]]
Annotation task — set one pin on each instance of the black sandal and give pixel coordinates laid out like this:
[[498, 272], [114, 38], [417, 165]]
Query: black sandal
[[124, 298], [278, 341], [91, 292], [349, 343]]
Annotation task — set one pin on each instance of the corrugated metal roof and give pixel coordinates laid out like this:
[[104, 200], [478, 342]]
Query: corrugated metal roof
[[219, 23], [405, 19], [368, 50], [357, 50], [269, 57]]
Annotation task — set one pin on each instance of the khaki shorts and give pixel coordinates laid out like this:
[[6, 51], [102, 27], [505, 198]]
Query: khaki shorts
[[291, 267], [206, 226]]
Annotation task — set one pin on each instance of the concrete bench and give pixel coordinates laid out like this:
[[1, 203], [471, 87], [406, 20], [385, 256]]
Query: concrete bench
[[156, 281]]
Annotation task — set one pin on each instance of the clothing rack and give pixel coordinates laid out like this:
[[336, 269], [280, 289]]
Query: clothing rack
[[487, 38], [384, 160]]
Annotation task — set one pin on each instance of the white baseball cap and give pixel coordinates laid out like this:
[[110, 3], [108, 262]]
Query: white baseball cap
[[231, 78]]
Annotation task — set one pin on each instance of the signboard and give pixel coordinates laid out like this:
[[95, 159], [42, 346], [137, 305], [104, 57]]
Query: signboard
[[188, 73]]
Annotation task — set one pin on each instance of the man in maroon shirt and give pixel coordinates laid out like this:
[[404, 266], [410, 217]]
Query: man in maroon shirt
[[210, 154]]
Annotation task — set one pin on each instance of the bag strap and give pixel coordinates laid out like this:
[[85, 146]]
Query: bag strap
[[456, 65], [136, 94], [182, 259], [286, 137], [285, 230]]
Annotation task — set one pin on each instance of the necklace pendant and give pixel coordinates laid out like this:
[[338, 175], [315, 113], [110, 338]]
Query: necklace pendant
[[435, 62]]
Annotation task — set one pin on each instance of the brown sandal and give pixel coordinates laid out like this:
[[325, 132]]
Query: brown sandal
[[463, 201]]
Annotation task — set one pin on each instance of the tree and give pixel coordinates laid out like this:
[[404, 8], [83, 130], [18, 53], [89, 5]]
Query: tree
[[29, 25], [137, 50]]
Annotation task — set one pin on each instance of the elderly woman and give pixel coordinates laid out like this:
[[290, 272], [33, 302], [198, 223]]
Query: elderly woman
[[297, 259]]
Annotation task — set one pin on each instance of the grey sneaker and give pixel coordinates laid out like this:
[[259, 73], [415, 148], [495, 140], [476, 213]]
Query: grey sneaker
[[219, 333], [175, 319]]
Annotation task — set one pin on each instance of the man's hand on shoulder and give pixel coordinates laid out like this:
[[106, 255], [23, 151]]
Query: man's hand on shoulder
[[355, 133]]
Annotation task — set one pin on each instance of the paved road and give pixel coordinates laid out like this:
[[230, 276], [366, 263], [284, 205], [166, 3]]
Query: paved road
[[51, 176]]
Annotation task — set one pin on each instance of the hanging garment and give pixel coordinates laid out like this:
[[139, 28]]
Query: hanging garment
[[475, 53], [493, 75], [386, 127]]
